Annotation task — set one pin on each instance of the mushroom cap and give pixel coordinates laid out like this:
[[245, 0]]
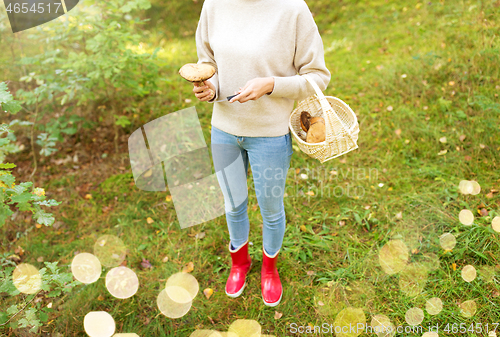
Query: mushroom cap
[[315, 120], [197, 72], [304, 120], [316, 133]]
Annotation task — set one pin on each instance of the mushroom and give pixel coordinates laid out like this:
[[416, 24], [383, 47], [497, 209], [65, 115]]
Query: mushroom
[[197, 72], [304, 120], [316, 132]]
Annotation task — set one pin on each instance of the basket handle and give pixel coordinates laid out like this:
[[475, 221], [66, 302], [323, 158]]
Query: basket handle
[[326, 106]]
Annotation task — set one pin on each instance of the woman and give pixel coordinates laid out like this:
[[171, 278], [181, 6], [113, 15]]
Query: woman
[[264, 45]]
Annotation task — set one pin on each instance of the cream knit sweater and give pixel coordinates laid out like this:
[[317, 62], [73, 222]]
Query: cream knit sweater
[[245, 39]]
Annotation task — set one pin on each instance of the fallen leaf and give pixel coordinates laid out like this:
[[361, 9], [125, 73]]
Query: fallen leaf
[[19, 250], [414, 251], [462, 138], [188, 268], [343, 160], [200, 235], [297, 170], [367, 207], [145, 264], [15, 258], [468, 158], [451, 83], [303, 176], [38, 225], [165, 259], [482, 146], [483, 212], [254, 207], [311, 193], [398, 132], [489, 195], [321, 303], [168, 198], [341, 223], [389, 108], [149, 220], [399, 215], [88, 196], [303, 228], [100, 298], [442, 139], [277, 315], [208, 292], [40, 259], [310, 272], [106, 209], [454, 266], [124, 263]]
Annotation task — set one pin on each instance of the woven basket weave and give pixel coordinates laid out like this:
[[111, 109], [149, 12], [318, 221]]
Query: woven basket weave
[[341, 125]]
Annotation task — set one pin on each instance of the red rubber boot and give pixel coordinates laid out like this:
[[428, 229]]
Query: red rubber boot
[[241, 264], [272, 291]]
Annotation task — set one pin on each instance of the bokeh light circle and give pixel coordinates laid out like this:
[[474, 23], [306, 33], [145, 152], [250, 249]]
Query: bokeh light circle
[[183, 280], [430, 334], [469, 273], [466, 217], [86, 268], [205, 333], [245, 328], [349, 317], [412, 279], [170, 308], [434, 306], [430, 261], [382, 326], [447, 241], [122, 282], [393, 256], [232, 334], [27, 278], [487, 273], [99, 324], [495, 224], [476, 188], [110, 250], [468, 308], [465, 187], [414, 316]]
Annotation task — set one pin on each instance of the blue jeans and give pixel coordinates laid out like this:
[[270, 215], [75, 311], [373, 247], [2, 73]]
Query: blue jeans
[[270, 160]]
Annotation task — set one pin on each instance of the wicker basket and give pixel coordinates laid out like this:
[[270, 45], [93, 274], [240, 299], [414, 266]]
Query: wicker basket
[[341, 125]]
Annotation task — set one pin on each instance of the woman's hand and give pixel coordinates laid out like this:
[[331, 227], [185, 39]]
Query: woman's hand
[[205, 92], [254, 89]]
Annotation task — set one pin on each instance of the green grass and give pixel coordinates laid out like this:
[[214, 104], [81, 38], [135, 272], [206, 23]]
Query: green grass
[[369, 46]]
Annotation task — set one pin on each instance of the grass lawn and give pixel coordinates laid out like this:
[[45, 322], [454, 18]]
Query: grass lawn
[[423, 79]]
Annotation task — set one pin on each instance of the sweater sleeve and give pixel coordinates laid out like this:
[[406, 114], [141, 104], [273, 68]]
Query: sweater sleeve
[[204, 50], [309, 59]]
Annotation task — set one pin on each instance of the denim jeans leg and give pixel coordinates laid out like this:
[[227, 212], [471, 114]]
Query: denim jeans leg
[[231, 167], [270, 160]]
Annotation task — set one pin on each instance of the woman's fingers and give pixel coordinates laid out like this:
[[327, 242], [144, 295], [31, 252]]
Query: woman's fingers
[[203, 93]]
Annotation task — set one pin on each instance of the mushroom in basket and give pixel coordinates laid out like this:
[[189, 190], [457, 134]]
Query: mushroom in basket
[[314, 126]]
